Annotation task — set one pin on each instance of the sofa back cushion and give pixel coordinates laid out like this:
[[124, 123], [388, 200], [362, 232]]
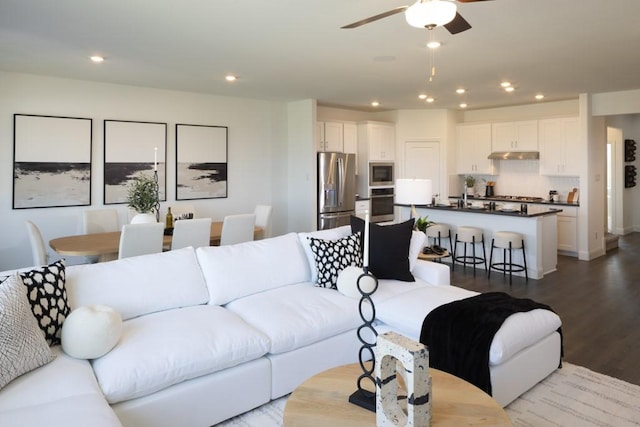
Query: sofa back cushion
[[139, 285], [235, 271]]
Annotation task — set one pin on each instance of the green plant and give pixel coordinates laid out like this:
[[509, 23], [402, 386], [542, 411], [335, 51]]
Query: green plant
[[422, 223], [470, 181], [142, 194]]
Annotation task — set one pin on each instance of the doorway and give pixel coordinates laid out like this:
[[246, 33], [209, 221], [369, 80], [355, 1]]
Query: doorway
[[613, 202]]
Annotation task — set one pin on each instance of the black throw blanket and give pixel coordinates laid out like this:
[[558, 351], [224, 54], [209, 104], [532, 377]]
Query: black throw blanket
[[459, 334]]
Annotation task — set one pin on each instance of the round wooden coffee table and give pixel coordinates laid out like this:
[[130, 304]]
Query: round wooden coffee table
[[322, 400]]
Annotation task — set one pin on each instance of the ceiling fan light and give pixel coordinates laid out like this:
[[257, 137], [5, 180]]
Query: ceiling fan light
[[430, 13]]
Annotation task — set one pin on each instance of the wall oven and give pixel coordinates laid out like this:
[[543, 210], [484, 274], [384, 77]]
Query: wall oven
[[381, 204], [380, 174]]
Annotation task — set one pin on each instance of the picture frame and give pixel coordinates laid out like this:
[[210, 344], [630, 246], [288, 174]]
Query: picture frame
[[51, 161], [131, 149], [201, 161]]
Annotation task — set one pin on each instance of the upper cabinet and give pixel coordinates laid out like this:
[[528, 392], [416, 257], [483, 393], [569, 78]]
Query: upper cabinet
[[377, 141], [473, 147], [350, 138], [329, 136], [515, 136], [559, 147]]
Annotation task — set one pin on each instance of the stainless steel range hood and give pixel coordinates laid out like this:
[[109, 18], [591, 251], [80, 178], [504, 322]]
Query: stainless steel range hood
[[514, 155]]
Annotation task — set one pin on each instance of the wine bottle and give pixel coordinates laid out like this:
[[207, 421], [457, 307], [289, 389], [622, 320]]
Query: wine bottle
[[169, 219]]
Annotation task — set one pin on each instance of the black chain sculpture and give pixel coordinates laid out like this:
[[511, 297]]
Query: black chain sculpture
[[362, 397], [157, 206]]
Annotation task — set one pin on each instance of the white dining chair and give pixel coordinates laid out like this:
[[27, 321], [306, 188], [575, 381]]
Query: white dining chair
[[100, 220], [191, 232], [38, 248], [237, 229], [263, 219], [140, 239]]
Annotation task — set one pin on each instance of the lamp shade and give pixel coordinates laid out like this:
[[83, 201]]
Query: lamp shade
[[430, 13], [413, 191]]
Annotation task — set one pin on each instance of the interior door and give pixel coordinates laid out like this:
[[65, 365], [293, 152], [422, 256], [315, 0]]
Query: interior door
[[422, 161]]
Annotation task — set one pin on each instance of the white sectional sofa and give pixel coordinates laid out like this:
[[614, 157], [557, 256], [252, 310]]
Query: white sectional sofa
[[214, 332]]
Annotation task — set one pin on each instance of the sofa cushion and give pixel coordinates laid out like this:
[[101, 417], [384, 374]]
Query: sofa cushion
[[388, 248], [62, 393], [333, 256], [330, 234], [139, 285], [168, 347], [22, 344], [48, 298], [298, 315], [235, 271]]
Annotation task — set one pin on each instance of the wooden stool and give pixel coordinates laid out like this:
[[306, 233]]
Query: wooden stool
[[507, 241], [471, 236], [438, 232]]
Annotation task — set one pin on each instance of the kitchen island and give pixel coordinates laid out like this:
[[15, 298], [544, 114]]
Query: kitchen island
[[539, 226]]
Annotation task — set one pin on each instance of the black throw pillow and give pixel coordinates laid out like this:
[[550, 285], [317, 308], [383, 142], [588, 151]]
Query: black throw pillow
[[388, 248]]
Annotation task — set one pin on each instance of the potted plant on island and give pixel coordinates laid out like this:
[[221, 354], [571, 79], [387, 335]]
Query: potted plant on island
[[142, 197], [470, 184]]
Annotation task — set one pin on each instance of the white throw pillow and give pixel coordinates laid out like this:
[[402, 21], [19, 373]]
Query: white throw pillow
[[22, 343], [91, 331]]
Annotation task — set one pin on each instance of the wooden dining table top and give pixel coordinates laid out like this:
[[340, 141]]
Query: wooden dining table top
[[109, 243]]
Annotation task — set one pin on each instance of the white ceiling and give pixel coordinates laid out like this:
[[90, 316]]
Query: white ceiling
[[294, 49]]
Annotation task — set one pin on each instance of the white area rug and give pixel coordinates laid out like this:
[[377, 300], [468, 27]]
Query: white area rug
[[571, 396]]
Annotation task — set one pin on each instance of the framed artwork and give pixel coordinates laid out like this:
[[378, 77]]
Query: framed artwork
[[51, 161], [201, 161], [132, 149]]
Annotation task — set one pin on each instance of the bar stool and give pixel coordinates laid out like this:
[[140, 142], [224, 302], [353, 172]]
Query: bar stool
[[471, 236], [438, 232], [508, 241]]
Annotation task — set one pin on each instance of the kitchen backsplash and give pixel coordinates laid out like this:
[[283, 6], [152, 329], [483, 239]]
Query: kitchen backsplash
[[520, 178]]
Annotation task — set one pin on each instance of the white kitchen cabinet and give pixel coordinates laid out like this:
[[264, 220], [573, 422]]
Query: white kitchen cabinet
[[377, 141], [473, 148], [515, 136], [362, 207], [350, 138], [559, 147], [568, 230], [329, 136]]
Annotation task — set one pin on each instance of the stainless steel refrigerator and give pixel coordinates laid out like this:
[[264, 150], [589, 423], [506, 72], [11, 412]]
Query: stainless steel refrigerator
[[336, 189]]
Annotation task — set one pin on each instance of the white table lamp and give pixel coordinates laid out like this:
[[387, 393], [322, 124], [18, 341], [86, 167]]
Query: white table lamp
[[413, 192]]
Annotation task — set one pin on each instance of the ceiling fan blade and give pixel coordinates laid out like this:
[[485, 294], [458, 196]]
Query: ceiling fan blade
[[376, 17], [458, 24]]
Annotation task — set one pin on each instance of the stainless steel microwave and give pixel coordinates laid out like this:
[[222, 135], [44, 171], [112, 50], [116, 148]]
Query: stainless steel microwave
[[380, 174]]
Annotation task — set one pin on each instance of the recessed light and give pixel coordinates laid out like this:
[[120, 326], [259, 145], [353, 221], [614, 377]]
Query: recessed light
[[375, 104], [96, 58], [422, 96], [433, 44], [505, 84], [230, 78], [460, 90], [539, 96], [463, 105], [430, 99], [509, 89]]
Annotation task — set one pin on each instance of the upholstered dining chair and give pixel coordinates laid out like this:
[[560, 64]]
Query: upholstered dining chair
[[191, 232], [263, 219], [237, 229], [38, 248], [99, 220], [140, 239]]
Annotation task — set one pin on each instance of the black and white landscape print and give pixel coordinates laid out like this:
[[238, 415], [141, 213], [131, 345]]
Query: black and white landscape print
[[52, 161], [201, 162], [132, 149]]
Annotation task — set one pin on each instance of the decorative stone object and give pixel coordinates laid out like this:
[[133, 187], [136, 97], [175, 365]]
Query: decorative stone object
[[396, 352]]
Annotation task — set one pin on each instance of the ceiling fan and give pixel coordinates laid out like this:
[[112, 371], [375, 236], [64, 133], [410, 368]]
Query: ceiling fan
[[426, 13]]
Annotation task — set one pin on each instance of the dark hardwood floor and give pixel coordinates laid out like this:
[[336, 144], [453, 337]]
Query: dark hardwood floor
[[598, 302]]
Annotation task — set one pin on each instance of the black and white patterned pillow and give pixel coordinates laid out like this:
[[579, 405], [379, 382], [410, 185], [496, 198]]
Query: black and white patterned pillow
[[47, 295], [333, 256]]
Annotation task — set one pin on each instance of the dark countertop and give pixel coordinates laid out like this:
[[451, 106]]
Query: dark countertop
[[532, 211], [500, 200]]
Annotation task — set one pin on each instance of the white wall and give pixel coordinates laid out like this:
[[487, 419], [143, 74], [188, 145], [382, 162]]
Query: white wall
[[256, 133]]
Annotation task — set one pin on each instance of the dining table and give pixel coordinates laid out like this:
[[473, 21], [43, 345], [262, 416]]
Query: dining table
[[106, 245]]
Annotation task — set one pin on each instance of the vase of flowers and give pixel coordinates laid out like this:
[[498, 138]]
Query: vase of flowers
[[142, 197]]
